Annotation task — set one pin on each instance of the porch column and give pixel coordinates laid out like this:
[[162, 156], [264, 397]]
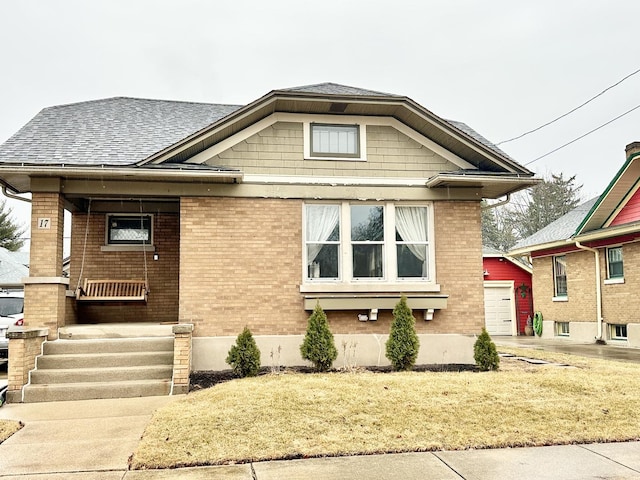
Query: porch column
[[45, 288], [181, 357]]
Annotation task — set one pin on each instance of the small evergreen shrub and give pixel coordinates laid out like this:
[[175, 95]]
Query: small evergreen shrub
[[403, 344], [244, 356], [485, 353], [318, 346]]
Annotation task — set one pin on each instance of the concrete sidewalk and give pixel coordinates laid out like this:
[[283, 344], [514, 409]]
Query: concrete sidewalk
[[93, 439]]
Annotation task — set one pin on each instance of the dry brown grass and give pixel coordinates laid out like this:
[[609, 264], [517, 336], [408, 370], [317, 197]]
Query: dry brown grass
[[8, 428], [308, 415]]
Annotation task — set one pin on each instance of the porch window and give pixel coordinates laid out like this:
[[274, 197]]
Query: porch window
[[335, 140], [129, 230], [560, 276], [614, 263]]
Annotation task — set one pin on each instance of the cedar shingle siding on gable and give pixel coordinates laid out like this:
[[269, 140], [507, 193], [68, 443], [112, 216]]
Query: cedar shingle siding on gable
[[278, 150]]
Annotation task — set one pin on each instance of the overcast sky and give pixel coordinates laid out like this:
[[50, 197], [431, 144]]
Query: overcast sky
[[503, 67]]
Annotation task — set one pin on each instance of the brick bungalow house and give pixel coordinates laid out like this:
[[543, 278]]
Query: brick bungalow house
[[585, 264], [236, 216]]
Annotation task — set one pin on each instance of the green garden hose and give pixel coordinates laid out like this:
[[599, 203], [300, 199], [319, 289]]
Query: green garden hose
[[537, 323]]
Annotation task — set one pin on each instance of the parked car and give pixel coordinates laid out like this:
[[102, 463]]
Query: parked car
[[11, 313]]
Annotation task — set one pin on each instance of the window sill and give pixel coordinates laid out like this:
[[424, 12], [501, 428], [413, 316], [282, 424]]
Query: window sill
[[127, 248], [312, 287], [339, 159], [372, 301], [614, 281], [560, 299]]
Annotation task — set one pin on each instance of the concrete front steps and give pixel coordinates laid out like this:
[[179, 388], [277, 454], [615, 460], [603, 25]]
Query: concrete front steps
[[105, 361]]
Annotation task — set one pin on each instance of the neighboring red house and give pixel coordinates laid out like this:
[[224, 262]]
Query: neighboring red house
[[508, 293], [585, 264]]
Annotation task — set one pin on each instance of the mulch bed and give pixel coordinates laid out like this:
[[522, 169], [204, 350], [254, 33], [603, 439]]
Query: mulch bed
[[208, 378]]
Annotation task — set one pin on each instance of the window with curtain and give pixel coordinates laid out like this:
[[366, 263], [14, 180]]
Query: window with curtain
[[322, 241], [412, 242], [129, 229], [560, 275], [615, 267]]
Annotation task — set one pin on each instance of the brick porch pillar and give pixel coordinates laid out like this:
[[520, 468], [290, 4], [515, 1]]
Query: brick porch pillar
[[181, 358], [45, 288], [24, 346]]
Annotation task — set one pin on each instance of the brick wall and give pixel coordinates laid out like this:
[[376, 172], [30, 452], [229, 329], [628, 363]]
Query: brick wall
[[581, 291], [618, 300], [241, 265], [162, 274]]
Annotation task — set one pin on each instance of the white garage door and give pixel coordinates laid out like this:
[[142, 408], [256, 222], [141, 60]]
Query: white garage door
[[498, 310]]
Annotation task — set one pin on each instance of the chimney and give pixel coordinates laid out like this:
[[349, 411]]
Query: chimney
[[632, 149]]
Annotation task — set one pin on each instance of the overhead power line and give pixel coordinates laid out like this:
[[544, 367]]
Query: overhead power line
[[583, 135], [570, 111]]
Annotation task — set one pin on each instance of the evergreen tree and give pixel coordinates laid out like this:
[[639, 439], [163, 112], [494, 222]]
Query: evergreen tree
[[10, 231], [485, 353], [318, 346], [403, 343], [244, 356]]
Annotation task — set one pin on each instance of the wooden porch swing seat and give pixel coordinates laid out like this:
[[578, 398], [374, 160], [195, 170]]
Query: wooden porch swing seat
[[113, 291]]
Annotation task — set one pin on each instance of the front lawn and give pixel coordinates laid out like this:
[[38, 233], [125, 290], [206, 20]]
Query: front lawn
[[8, 428], [310, 415]]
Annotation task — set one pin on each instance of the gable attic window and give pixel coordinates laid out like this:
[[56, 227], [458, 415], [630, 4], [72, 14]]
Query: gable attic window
[[330, 141], [129, 229]]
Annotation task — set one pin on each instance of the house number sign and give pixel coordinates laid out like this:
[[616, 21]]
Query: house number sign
[[44, 223]]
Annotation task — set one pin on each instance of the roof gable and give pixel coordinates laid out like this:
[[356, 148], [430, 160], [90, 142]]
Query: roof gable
[[630, 211]]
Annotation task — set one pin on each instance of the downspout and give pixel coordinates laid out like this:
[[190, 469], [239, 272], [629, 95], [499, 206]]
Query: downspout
[[598, 288]]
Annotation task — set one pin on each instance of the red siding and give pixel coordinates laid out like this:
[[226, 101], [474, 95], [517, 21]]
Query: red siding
[[503, 269], [630, 212]]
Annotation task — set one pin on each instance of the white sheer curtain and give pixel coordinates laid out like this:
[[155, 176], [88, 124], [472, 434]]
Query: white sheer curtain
[[411, 223], [321, 221]]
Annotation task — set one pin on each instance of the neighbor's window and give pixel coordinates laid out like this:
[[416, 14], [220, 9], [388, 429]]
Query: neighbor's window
[[323, 241], [367, 240], [614, 263], [412, 242], [618, 332], [562, 329], [560, 275], [335, 140], [129, 229]]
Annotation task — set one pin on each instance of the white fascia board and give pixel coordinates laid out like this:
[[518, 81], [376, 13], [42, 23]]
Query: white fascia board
[[333, 181], [266, 122]]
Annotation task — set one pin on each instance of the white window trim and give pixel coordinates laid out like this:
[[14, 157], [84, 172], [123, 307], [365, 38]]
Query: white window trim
[[390, 281], [562, 334], [612, 329], [613, 280], [362, 139], [560, 299]]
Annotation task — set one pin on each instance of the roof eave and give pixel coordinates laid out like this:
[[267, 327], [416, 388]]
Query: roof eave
[[493, 186]]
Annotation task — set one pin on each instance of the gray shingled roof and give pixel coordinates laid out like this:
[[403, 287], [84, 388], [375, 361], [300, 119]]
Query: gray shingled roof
[[336, 89], [12, 269], [476, 136], [114, 131], [561, 229]]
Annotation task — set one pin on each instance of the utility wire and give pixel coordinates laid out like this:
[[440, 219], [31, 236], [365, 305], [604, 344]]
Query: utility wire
[[570, 111], [583, 135]]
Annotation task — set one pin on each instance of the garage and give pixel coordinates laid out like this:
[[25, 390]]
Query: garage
[[499, 308]]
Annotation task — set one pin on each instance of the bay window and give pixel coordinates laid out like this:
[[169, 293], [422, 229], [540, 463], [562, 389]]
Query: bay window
[[361, 243]]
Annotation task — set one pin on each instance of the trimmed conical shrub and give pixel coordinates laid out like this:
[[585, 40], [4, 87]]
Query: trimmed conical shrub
[[318, 346], [403, 344], [485, 353], [244, 356]]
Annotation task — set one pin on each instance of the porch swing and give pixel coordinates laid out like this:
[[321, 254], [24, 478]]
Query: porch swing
[[109, 290]]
